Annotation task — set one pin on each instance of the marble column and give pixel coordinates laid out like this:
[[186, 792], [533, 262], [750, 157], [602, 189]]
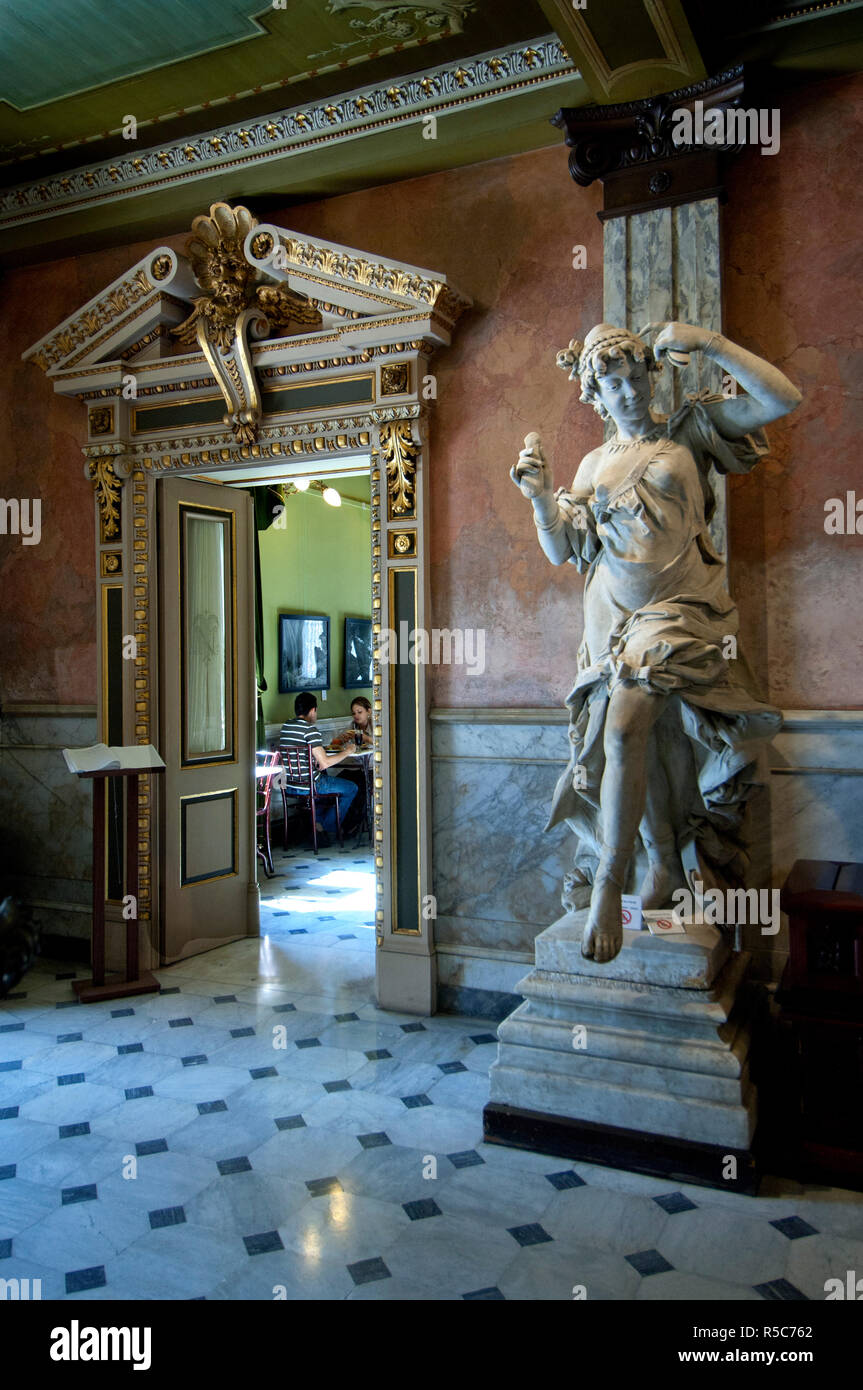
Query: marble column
[[663, 265]]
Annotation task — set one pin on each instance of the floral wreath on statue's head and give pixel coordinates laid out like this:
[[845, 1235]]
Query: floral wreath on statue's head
[[591, 359]]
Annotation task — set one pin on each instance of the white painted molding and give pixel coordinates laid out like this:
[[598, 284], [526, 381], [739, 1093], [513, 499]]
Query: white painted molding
[[803, 721]]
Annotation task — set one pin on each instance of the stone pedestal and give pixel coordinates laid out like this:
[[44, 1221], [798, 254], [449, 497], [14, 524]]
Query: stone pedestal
[[641, 1063]]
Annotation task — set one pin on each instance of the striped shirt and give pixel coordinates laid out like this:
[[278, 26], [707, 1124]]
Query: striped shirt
[[299, 733]]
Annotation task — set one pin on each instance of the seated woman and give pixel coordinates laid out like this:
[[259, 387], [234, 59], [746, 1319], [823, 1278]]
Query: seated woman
[[362, 724], [360, 728]]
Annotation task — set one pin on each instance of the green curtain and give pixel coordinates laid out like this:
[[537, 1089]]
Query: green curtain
[[266, 500]]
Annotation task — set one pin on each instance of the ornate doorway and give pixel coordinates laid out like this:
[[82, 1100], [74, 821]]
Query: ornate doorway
[[297, 350]]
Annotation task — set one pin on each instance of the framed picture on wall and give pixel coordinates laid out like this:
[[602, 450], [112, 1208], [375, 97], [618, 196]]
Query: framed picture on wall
[[304, 653], [358, 653]]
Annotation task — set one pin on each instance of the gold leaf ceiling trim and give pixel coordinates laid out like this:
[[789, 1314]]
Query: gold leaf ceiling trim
[[362, 111]]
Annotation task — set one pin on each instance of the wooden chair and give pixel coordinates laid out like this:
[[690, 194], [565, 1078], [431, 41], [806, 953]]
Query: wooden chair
[[299, 782], [268, 761]]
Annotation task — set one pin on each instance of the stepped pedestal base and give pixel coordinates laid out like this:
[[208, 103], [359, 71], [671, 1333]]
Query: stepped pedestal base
[[641, 1063]]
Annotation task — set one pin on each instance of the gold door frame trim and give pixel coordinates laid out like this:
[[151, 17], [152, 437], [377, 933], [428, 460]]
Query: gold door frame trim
[[396, 930], [361, 350], [103, 723], [159, 403], [289, 385]]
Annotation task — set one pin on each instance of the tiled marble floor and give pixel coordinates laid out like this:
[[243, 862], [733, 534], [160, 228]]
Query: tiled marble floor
[[168, 1148]]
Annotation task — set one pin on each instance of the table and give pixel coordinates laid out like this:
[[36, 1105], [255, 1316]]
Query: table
[[364, 758]]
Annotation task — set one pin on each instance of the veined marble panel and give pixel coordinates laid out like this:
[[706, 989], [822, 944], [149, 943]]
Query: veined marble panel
[[46, 815], [497, 877], [494, 869], [500, 972], [664, 265]]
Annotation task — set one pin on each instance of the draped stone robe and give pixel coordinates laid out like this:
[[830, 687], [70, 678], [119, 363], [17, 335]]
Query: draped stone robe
[[657, 611]]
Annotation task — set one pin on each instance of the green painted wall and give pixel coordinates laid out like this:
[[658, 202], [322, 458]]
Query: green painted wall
[[319, 563]]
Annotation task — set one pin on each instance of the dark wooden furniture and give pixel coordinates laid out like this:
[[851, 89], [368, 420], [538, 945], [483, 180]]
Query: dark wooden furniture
[[136, 980], [299, 783], [821, 1016]]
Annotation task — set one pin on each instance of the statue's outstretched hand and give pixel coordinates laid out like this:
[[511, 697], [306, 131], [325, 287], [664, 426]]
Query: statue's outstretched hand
[[531, 473]]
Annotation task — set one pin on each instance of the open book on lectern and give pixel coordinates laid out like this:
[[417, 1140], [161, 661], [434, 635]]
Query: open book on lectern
[[136, 757]]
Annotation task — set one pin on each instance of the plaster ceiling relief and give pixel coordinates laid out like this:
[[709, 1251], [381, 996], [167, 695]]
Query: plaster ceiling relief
[[401, 19]]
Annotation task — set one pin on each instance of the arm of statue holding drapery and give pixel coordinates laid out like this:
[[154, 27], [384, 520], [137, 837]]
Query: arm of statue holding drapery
[[769, 393], [564, 523]]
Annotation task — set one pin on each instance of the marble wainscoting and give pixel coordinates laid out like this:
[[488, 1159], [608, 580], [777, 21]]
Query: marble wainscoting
[[497, 877], [45, 813], [816, 807]]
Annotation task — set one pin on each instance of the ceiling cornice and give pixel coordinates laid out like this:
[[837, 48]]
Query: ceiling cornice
[[265, 151]]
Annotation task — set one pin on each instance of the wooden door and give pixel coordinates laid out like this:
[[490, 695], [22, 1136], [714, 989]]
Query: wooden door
[[208, 889]]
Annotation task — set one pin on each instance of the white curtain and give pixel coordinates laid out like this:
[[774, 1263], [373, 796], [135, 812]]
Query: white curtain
[[206, 664]]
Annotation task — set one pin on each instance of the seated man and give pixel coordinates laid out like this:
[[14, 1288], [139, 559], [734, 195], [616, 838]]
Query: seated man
[[362, 716], [301, 731]]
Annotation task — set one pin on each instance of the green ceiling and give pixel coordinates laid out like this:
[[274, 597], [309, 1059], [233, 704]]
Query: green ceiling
[[190, 70], [102, 44], [72, 69]]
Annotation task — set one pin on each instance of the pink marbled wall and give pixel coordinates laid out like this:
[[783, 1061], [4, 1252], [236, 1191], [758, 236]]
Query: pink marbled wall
[[48, 591], [793, 294], [504, 232]]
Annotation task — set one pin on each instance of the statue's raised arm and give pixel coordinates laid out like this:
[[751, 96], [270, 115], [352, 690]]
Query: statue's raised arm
[[770, 394]]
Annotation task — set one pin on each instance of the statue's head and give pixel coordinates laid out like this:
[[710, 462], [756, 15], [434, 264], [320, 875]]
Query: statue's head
[[605, 352]]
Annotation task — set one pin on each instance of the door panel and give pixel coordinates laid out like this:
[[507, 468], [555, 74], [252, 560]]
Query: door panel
[[207, 716]]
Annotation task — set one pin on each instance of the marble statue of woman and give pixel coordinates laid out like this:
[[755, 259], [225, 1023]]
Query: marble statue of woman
[[665, 722]]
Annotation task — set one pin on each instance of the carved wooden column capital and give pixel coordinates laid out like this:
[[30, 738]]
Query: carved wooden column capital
[[635, 148]]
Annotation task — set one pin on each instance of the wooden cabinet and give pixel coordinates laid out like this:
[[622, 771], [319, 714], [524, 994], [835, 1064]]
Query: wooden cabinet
[[820, 1000]]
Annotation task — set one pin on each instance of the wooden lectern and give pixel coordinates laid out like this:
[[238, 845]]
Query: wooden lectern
[[115, 762]]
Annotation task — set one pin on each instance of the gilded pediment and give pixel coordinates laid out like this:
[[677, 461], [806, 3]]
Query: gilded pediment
[[237, 287], [284, 283]]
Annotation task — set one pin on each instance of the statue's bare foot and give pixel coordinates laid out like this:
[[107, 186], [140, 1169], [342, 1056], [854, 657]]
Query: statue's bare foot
[[576, 892], [603, 933], [655, 889]]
